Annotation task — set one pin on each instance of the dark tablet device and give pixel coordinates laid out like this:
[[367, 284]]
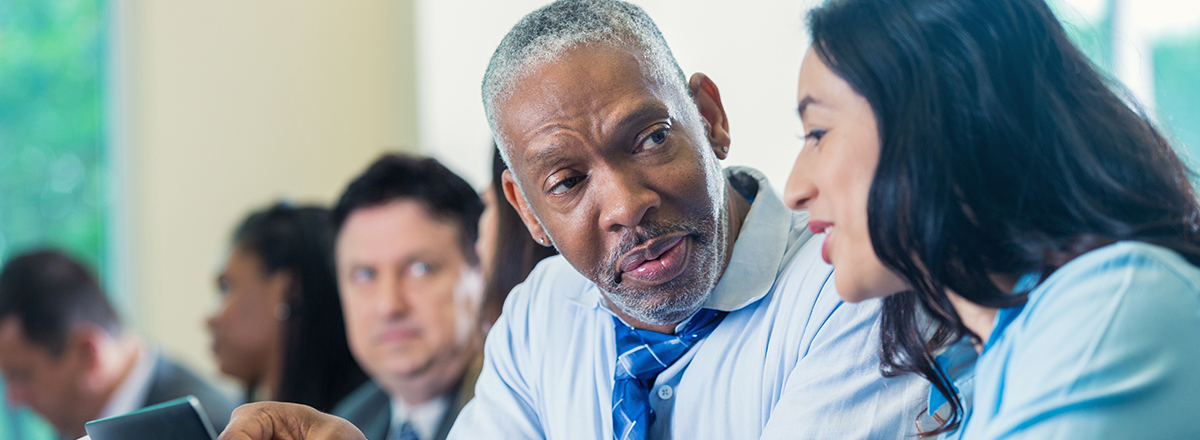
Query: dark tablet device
[[179, 419]]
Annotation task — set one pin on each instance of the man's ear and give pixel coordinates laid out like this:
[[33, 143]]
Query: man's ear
[[708, 100], [517, 200], [83, 351]]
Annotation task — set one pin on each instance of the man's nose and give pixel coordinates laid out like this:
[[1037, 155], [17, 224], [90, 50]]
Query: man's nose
[[625, 200], [394, 297], [800, 189]]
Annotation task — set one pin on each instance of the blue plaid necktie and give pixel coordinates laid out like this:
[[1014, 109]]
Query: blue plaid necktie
[[642, 354]]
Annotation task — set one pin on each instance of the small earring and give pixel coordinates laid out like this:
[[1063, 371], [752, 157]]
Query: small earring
[[542, 240], [725, 149], [283, 312]]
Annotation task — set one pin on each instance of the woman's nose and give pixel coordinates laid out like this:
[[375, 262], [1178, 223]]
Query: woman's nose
[[800, 189]]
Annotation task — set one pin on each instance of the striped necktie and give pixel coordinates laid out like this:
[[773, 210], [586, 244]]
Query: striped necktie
[[404, 431], [642, 355]]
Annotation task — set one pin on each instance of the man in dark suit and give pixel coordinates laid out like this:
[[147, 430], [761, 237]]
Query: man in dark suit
[[411, 291], [64, 353], [369, 407]]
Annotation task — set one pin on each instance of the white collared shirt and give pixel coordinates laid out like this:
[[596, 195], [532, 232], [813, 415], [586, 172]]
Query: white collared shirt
[[425, 418], [131, 394], [791, 360]]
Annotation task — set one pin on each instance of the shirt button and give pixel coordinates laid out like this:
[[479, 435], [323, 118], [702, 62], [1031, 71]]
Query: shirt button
[[665, 392]]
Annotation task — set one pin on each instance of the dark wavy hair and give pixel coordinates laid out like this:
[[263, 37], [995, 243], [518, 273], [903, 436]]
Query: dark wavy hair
[[1003, 151], [445, 195], [318, 369], [51, 292], [516, 253]]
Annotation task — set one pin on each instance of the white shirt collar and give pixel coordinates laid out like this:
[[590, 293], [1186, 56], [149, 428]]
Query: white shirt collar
[[757, 253], [131, 394], [425, 418]]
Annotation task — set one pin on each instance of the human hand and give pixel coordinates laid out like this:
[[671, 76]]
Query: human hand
[[287, 421]]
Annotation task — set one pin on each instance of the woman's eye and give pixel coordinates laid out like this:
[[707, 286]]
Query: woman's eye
[[565, 185], [814, 135]]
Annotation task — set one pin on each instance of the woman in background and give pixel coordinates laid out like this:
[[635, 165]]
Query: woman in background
[[280, 329], [507, 253], [968, 163]]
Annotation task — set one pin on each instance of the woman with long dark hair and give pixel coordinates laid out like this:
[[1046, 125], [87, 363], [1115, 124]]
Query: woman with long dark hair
[[968, 163], [506, 251], [280, 329]]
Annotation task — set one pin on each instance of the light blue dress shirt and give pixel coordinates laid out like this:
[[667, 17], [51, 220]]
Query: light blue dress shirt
[[791, 360], [1108, 347]]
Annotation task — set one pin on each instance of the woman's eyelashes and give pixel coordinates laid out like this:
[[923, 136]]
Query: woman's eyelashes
[[814, 135]]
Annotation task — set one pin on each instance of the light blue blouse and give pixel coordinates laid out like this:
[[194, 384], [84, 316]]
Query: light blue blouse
[[1108, 347]]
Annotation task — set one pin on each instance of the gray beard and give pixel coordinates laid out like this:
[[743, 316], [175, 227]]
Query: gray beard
[[648, 305], [669, 312]]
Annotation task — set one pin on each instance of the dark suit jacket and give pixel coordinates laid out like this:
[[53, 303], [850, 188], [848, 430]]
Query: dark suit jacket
[[172, 381], [370, 408]]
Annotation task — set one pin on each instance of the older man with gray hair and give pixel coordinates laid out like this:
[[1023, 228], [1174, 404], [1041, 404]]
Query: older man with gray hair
[[687, 302]]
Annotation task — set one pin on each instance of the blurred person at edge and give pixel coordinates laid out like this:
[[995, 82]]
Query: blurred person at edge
[[280, 329], [66, 355], [507, 253], [966, 162], [411, 290]]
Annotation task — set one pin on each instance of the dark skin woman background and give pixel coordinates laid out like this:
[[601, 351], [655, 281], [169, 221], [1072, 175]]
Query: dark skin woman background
[[280, 329]]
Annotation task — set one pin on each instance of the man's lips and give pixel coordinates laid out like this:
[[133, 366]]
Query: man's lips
[[396, 333], [657, 261]]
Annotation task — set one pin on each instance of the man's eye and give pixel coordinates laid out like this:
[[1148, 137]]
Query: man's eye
[[363, 274], [565, 185], [419, 269], [656, 138]]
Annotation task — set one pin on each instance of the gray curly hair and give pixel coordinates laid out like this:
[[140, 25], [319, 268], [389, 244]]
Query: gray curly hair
[[547, 33]]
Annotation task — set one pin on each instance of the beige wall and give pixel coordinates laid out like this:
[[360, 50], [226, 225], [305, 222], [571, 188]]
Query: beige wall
[[752, 50], [228, 105]]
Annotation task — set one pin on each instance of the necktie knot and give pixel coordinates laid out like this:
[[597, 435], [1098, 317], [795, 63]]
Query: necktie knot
[[403, 431], [641, 356]]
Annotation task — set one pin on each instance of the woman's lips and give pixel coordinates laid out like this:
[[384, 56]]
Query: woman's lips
[[825, 249], [658, 263], [822, 227]]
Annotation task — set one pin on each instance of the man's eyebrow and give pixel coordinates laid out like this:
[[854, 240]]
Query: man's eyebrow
[[647, 110], [552, 154], [545, 157]]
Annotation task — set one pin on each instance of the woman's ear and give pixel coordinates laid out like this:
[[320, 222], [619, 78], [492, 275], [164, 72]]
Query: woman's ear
[[708, 101], [517, 200], [282, 285]]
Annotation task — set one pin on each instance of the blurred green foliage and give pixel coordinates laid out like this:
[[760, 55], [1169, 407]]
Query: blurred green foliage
[[1177, 92], [1176, 64], [52, 126], [52, 165], [1094, 38]]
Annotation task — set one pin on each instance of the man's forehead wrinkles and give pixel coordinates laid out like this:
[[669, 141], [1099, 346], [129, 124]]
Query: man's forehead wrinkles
[[546, 155], [549, 146]]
